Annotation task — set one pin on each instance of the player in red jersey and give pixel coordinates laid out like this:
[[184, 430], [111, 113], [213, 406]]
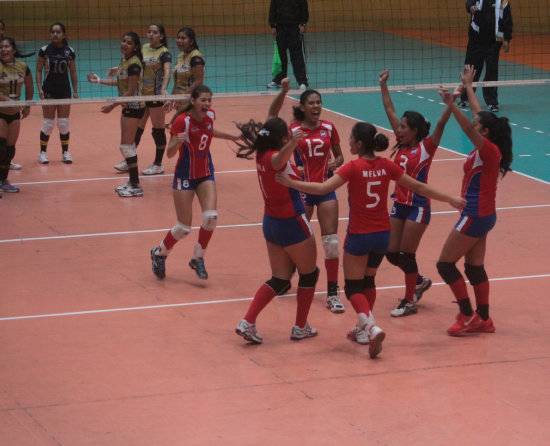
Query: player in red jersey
[[411, 212], [491, 157], [288, 234], [191, 135], [319, 154], [368, 233]]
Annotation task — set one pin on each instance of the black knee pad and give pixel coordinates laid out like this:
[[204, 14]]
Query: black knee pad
[[407, 261], [393, 258], [368, 282], [309, 280], [475, 274], [137, 138], [374, 260], [352, 287], [11, 153], [448, 272], [3, 152], [278, 285], [159, 136]]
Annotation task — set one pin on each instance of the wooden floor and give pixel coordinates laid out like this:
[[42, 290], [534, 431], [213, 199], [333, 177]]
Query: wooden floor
[[94, 350]]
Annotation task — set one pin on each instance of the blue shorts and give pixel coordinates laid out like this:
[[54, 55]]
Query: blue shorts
[[316, 200], [286, 231], [476, 226], [181, 183], [363, 244], [414, 213]]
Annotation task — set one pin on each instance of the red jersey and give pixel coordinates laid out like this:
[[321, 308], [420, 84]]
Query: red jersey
[[416, 162], [194, 159], [479, 185], [280, 201], [314, 150], [368, 184]]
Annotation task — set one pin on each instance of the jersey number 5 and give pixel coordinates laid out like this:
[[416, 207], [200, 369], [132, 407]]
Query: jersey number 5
[[372, 194]]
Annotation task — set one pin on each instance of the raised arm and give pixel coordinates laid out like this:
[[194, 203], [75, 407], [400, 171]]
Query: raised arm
[[277, 103], [386, 100], [279, 160], [467, 78]]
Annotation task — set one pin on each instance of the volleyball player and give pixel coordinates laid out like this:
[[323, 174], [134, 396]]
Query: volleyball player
[[129, 84], [13, 75], [191, 135], [368, 233], [411, 212], [157, 62], [491, 158], [288, 234], [57, 61], [319, 153]]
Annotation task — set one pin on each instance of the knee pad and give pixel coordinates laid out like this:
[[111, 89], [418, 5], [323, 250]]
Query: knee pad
[[309, 280], [330, 244], [278, 285], [368, 282], [3, 152], [10, 153], [180, 231], [63, 125], [209, 220], [475, 274], [352, 287], [448, 272], [393, 258], [375, 259], [47, 126], [407, 262], [137, 137], [128, 150], [159, 136]]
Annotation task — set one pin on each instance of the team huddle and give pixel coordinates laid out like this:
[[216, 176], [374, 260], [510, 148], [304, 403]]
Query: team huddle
[[299, 168]]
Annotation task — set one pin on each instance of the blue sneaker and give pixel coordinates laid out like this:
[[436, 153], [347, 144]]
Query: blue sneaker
[[7, 187], [198, 266]]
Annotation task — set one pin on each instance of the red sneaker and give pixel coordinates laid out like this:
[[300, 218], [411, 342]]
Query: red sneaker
[[484, 327], [465, 324]]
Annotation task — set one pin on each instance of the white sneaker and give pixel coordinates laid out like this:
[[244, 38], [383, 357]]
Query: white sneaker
[[301, 333], [131, 191], [66, 157], [248, 332], [273, 85], [122, 186], [405, 308], [334, 302], [357, 334], [43, 158], [302, 87], [376, 336], [122, 166], [14, 166], [153, 169]]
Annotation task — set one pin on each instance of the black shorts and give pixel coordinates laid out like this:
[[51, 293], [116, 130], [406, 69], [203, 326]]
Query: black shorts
[[154, 104], [58, 93], [10, 118], [133, 112]]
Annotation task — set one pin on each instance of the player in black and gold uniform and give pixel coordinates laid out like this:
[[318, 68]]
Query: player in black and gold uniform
[[13, 75], [130, 84], [57, 60]]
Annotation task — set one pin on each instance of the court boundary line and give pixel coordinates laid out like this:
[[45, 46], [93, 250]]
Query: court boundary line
[[240, 225], [222, 301]]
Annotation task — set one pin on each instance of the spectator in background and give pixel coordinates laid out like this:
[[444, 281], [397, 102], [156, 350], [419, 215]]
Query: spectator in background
[[490, 30], [288, 19]]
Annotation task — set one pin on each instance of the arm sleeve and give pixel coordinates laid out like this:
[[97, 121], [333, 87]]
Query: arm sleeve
[[507, 22], [346, 171], [396, 171], [469, 4], [166, 57], [134, 70], [178, 126], [305, 13], [272, 14], [196, 60]]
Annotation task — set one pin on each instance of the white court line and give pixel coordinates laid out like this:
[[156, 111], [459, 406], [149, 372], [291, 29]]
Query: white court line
[[243, 225], [221, 301]]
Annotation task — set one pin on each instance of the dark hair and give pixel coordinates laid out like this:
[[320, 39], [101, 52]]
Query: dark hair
[[65, 41], [195, 93], [137, 42], [160, 27], [500, 133], [189, 32], [372, 141], [416, 122], [260, 137], [16, 53], [298, 113]]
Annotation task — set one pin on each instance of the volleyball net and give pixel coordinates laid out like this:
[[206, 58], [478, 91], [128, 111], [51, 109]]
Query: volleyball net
[[348, 42]]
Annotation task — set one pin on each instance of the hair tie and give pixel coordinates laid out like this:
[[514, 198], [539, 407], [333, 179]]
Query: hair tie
[[375, 135], [263, 132]]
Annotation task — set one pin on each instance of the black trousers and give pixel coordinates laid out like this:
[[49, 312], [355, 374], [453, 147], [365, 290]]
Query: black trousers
[[480, 53], [289, 38]]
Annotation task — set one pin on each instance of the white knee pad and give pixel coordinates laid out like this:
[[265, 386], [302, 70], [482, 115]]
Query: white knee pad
[[180, 231], [330, 244], [63, 125], [128, 150], [47, 126], [209, 220]]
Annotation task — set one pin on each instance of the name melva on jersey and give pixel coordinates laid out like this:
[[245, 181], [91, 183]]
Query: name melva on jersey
[[374, 173]]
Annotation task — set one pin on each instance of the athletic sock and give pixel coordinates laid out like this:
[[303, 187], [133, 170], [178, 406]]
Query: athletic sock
[[263, 296], [304, 298]]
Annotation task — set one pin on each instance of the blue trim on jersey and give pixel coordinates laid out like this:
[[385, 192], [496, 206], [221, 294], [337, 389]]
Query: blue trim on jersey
[[472, 195], [363, 244], [420, 200]]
